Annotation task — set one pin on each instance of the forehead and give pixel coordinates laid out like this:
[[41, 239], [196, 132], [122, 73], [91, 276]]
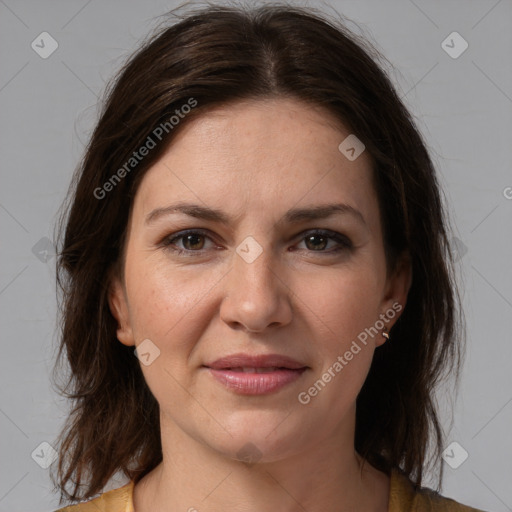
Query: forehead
[[266, 126], [261, 154]]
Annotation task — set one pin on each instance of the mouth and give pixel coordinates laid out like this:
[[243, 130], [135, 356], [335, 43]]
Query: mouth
[[259, 363], [269, 369], [260, 374]]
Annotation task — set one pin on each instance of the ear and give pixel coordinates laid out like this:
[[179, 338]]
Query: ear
[[118, 304], [397, 288]]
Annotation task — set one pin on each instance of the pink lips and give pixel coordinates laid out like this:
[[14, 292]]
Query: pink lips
[[255, 375]]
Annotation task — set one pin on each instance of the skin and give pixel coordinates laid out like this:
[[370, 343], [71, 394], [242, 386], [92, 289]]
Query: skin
[[255, 160]]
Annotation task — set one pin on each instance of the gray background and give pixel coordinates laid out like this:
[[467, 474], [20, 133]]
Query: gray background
[[463, 106]]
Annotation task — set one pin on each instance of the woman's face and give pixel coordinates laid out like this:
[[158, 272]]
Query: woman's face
[[272, 267]]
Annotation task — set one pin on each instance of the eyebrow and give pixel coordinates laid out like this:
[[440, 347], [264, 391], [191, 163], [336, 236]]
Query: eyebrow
[[292, 216]]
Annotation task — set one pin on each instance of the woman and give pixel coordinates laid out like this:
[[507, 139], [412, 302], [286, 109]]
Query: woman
[[258, 221]]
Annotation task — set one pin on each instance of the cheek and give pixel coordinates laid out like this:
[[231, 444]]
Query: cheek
[[345, 307], [344, 301], [168, 306], [171, 310]]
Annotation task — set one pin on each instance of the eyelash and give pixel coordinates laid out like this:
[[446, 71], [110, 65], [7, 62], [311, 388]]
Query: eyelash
[[344, 242]]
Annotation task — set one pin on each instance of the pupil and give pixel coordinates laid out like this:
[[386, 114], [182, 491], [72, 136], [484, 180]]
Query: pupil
[[189, 240], [312, 237]]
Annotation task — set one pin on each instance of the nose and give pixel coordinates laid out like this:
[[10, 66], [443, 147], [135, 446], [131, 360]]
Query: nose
[[256, 294]]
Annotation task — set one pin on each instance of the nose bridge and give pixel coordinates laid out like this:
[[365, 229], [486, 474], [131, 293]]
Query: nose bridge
[[255, 295], [253, 266]]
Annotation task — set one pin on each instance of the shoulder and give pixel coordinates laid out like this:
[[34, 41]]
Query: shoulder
[[116, 500], [405, 498]]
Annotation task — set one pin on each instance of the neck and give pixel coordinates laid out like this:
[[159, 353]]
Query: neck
[[326, 476]]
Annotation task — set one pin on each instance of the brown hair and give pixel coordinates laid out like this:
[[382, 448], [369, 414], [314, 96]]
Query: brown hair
[[219, 55]]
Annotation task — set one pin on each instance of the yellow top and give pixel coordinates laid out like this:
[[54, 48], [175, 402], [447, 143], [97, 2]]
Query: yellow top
[[402, 498]]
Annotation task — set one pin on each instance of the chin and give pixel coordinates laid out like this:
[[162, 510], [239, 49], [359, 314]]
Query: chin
[[260, 445]]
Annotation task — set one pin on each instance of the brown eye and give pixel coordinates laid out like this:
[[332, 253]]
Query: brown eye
[[316, 242], [320, 241], [193, 241], [187, 242]]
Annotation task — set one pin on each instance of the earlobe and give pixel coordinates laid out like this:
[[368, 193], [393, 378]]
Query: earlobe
[[119, 309]]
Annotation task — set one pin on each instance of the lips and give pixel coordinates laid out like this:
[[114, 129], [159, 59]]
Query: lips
[[246, 362], [255, 375], [256, 370]]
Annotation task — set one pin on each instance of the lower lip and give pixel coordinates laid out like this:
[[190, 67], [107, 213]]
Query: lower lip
[[256, 383]]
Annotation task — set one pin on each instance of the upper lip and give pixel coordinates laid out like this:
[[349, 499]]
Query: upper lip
[[255, 361]]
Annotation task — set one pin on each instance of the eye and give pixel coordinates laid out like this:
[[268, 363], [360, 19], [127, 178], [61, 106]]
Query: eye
[[193, 241], [318, 240]]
